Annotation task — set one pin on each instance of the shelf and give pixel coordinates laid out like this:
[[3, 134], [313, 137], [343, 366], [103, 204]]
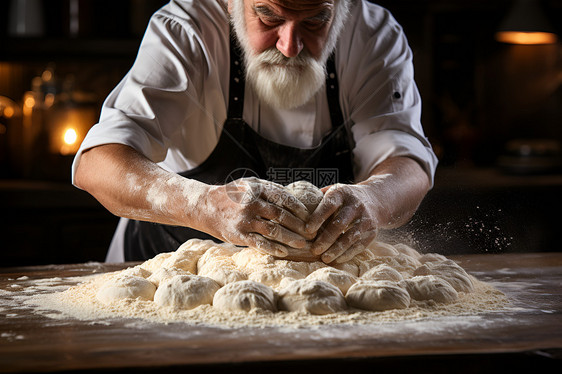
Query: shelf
[[38, 49]]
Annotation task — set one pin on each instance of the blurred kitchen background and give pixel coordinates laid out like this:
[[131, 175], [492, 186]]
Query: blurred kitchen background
[[492, 110]]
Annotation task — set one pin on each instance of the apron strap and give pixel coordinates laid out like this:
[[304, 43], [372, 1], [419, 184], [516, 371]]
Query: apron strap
[[237, 82]]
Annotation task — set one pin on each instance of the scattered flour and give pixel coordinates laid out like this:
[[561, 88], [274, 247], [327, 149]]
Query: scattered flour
[[288, 296]]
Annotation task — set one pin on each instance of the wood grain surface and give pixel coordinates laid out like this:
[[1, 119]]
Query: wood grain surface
[[529, 333]]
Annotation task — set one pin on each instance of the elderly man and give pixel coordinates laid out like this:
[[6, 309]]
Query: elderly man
[[273, 87]]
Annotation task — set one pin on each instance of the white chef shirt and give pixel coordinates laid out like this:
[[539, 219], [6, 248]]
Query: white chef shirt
[[172, 104]]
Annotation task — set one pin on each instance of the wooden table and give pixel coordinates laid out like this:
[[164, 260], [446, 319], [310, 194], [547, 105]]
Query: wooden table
[[527, 336]]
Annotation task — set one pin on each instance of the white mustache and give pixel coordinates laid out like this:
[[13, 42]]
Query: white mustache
[[272, 56]]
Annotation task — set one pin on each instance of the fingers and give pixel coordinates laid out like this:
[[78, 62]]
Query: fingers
[[267, 246], [329, 205], [276, 194], [348, 246], [274, 231], [334, 228]]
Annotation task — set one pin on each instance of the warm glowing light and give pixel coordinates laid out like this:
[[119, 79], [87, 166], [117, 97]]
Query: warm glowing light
[[8, 112], [518, 37], [29, 102], [70, 136]]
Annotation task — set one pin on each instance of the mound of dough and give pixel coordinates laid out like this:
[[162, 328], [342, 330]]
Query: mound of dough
[[231, 278], [377, 296], [217, 263], [125, 286], [430, 287], [306, 193], [311, 296], [273, 276], [186, 291], [450, 271], [245, 296], [163, 274], [338, 278], [187, 255], [383, 272]]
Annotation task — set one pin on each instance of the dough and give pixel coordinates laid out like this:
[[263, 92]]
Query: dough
[[407, 250], [201, 272], [311, 296], [188, 254], [430, 287], [163, 274], [155, 263], [450, 271], [432, 257], [245, 296], [186, 291], [401, 262], [383, 272], [218, 264], [377, 296], [273, 276], [137, 271], [382, 249], [306, 193], [336, 277], [310, 196], [123, 286], [223, 271]]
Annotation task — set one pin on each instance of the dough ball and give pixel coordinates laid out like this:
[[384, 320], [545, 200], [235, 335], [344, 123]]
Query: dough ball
[[303, 267], [187, 255], [382, 249], [400, 262], [125, 287], [163, 274], [155, 263], [383, 272], [222, 271], [137, 271], [359, 264], [186, 292], [306, 193], [430, 287], [218, 264], [251, 259], [245, 296], [450, 271], [407, 250], [432, 257], [336, 277], [273, 276], [311, 296], [377, 296]]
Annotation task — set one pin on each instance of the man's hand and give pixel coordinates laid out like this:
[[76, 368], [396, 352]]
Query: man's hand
[[256, 213], [349, 216], [346, 221]]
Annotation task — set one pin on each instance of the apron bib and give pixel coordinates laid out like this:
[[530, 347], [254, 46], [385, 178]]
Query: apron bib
[[242, 152]]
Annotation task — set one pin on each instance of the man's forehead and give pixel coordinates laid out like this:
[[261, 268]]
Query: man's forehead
[[296, 4]]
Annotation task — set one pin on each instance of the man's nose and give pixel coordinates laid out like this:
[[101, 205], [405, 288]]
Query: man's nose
[[289, 41]]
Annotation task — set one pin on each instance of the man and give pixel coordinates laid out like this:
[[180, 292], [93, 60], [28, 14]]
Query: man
[[329, 89]]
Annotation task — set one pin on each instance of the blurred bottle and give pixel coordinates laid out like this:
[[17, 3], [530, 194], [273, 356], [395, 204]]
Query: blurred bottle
[[26, 18]]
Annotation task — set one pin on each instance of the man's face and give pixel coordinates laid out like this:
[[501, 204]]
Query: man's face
[[288, 25], [286, 44]]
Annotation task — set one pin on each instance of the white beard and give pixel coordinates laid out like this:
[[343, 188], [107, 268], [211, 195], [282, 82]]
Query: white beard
[[279, 81]]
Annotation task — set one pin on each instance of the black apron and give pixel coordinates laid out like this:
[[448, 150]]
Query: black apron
[[242, 152]]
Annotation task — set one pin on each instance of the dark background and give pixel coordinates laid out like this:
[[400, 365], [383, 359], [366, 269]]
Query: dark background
[[478, 96]]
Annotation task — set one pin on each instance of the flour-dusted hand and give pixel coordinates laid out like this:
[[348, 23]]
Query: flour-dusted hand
[[346, 221], [349, 216], [255, 213]]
